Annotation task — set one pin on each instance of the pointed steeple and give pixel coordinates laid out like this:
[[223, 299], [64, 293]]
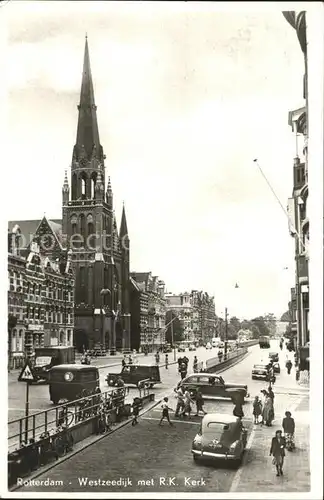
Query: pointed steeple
[[87, 131], [65, 183], [123, 225], [109, 194]]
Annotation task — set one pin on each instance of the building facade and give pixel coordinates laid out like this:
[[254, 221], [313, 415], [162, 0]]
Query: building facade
[[98, 251], [297, 204], [40, 300], [149, 307], [196, 312]]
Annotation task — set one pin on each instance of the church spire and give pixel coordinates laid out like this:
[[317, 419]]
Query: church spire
[[87, 132], [123, 225], [109, 194]]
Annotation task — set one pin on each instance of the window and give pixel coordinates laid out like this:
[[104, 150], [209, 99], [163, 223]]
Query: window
[[203, 379], [193, 380]]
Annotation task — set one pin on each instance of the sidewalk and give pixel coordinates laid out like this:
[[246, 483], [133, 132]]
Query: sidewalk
[[257, 472]]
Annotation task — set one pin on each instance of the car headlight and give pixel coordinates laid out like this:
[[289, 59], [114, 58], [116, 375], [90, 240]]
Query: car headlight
[[233, 446]]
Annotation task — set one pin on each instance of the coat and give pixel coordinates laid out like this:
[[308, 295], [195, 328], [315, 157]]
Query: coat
[[276, 447], [288, 425]]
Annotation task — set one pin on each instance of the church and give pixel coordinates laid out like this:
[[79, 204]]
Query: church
[[88, 231]]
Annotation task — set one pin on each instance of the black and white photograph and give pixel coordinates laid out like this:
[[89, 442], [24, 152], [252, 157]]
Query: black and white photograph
[[163, 202]]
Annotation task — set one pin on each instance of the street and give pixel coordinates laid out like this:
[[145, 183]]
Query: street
[[162, 454]]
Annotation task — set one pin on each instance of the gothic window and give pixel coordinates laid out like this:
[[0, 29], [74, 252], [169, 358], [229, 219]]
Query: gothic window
[[83, 182], [91, 236], [82, 225], [74, 186], [93, 184]]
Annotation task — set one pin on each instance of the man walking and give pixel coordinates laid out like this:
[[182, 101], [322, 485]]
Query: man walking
[[166, 361], [199, 403], [195, 364], [180, 402]]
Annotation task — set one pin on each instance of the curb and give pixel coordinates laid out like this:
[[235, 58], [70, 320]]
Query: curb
[[42, 471]]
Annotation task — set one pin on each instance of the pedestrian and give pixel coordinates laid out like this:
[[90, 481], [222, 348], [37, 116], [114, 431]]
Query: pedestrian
[[136, 408], [165, 411], [289, 366], [204, 366], [271, 393], [124, 361], [200, 403], [167, 361], [288, 425], [277, 450], [183, 370], [195, 364], [220, 355], [257, 409], [130, 360], [268, 413], [157, 358], [187, 404], [134, 357], [238, 411], [180, 402]]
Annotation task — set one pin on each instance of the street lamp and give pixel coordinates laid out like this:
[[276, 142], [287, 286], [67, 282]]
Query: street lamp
[[103, 293]]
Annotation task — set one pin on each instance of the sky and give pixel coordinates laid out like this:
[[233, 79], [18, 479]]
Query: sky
[[188, 95]]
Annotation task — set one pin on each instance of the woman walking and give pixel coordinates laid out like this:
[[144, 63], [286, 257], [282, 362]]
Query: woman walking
[[267, 413], [257, 409], [277, 450], [288, 425]]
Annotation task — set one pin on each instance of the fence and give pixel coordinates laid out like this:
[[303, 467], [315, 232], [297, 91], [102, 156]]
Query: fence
[[212, 362], [21, 430]]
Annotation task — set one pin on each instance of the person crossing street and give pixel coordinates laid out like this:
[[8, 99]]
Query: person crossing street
[[166, 361]]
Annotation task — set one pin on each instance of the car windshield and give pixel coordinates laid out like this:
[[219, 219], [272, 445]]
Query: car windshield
[[260, 367]]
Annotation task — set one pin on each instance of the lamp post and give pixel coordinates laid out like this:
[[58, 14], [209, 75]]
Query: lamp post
[[226, 334], [103, 293]]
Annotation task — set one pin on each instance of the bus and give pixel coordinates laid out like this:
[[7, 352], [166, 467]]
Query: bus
[[264, 342]]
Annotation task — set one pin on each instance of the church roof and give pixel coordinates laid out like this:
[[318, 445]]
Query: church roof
[[29, 227]]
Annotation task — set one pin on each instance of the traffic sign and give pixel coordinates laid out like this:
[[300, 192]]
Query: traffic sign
[[26, 374]]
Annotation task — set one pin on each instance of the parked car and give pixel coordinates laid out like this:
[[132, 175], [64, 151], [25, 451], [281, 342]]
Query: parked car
[[220, 436], [181, 348], [274, 356], [276, 367], [69, 380], [208, 345], [261, 371], [192, 347], [212, 386]]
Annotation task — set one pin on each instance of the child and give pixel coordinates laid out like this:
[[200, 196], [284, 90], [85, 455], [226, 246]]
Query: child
[[257, 409], [165, 411], [136, 407]]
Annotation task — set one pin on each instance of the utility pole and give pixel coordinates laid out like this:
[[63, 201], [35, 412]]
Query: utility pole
[[226, 334]]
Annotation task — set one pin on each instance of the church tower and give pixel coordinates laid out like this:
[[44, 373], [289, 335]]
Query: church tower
[[101, 285]]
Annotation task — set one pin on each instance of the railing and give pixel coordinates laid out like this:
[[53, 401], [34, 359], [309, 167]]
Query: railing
[[144, 387], [46, 422], [234, 354]]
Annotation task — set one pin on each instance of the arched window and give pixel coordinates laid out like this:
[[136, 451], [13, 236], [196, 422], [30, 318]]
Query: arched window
[[74, 186], [93, 184], [82, 225], [83, 185], [91, 241]]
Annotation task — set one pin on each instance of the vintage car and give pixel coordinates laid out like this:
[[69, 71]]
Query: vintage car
[[133, 374], [68, 381], [261, 371], [181, 348], [212, 386], [274, 356], [220, 436], [276, 367], [209, 346], [192, 347]]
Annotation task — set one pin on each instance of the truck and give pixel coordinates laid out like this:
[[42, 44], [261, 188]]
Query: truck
[[47, 357]]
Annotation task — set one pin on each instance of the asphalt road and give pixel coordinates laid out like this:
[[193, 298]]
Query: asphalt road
[[149, 458]]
